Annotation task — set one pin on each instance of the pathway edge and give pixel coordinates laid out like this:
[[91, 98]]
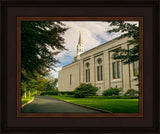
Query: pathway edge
[[27, 102]]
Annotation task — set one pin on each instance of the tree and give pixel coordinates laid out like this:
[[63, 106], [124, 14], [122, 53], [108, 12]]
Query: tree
[[40, 41], [51, 83], [39, 84], [131, 31], [24, 89]]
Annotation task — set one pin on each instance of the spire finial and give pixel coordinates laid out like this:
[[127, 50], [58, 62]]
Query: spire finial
[[80, 41]]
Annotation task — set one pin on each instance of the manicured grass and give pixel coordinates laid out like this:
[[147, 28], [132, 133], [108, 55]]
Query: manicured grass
[[114, 105], [25, 100]]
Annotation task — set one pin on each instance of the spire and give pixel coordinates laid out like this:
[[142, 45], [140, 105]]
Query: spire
[[80, 41], [80, 48]]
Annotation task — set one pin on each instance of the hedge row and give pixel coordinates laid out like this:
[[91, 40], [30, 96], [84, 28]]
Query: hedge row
[[57, 93], [85, 90], [116, 92], [66, 92]]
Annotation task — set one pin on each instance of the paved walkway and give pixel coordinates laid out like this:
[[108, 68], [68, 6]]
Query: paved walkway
[[46, 104]]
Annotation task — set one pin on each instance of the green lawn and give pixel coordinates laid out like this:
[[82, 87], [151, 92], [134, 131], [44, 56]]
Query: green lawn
[[113, 105], [25, 100]]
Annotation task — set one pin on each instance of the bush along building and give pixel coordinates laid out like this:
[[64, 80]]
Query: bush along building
[[97, 66]]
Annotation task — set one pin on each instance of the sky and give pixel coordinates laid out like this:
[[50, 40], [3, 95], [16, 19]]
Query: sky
[[93, 33]]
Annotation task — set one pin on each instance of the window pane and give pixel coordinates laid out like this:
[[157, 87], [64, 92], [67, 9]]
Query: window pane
[[114, 70], [118, 69]]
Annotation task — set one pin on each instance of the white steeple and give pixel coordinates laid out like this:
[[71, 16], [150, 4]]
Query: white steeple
[[80, 47]]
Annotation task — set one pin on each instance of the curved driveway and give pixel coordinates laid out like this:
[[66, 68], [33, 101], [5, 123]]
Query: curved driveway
[[46, 104]]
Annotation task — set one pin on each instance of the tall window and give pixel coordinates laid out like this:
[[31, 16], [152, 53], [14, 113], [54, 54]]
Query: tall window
[[99, 73], [99, 70], [135, 68], [87, 73], [70, 79], [116, 70]]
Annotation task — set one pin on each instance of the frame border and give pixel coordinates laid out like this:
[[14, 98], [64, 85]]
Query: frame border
[[154, 4]]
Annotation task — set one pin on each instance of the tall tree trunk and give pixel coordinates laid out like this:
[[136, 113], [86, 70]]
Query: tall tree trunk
[[25, 94], [29, 93]]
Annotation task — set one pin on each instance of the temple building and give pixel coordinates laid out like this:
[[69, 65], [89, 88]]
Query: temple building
[[97, 66]]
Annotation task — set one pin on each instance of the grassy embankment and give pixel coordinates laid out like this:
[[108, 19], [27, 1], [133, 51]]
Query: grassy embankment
[[112, 104], [28, 98]]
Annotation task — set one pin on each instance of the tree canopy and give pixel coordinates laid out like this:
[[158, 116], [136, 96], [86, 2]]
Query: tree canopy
[[131, 31], [37, 85], [40, 41]]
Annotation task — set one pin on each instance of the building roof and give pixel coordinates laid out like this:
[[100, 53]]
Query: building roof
[[102, 44]]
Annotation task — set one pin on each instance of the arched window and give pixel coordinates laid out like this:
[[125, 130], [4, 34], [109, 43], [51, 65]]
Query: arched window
[[87, 64], [99, 60], [99, 70]]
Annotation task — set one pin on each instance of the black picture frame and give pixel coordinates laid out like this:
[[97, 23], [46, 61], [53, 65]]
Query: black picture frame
[[11, 9]]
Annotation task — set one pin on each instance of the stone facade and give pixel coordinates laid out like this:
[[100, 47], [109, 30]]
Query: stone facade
[[97, 66]]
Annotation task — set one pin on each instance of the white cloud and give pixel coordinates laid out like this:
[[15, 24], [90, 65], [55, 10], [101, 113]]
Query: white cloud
[[91, 33]]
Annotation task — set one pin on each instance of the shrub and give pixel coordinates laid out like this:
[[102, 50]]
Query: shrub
[[85, 90], [111, 91], [131, 92]]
